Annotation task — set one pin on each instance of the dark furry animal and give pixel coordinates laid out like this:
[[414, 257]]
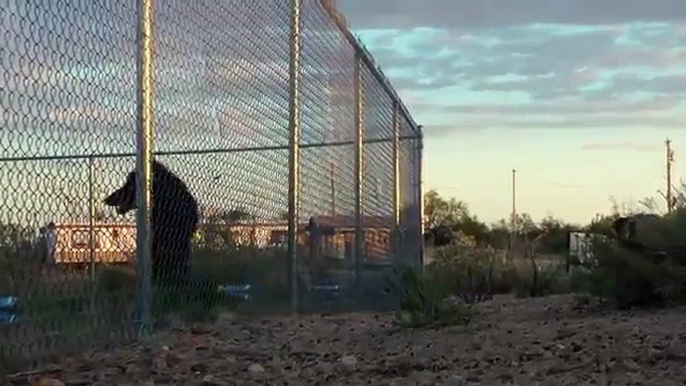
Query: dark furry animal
[[174, 220], [626, 232]]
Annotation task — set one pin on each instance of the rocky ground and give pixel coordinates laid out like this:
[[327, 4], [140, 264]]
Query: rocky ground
[[549, 341]]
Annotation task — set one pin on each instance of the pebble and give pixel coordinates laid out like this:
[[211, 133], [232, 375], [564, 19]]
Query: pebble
[[256, 368], [349, 360]]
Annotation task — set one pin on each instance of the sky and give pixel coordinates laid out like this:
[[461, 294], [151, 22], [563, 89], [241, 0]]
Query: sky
[[577, 95], [221, 102]]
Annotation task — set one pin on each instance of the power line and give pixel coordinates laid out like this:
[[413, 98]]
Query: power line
[[568, 186], [544, 181]]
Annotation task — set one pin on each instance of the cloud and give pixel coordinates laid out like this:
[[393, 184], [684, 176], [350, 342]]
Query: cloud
[[622, 146], [538, 75], [537, 59], [568, 107], [621, 84], [615, 121], [404, 14]]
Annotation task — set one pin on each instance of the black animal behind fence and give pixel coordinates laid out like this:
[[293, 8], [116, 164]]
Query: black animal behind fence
[[174, 220]]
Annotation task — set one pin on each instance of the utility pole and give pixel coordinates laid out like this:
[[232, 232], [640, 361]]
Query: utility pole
[[514, 210], [670, 161]]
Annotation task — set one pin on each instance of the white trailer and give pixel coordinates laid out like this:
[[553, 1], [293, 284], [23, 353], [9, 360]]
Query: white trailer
[[111, 243]]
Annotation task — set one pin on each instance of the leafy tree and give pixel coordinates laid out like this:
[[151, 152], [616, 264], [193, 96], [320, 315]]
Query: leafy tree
[[499, 234], [441, 212], [526, 225], [556, 233], [444, 217]]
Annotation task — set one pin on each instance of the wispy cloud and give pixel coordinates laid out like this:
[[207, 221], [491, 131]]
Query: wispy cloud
[[621, 146], [538, 75], [499, 13]]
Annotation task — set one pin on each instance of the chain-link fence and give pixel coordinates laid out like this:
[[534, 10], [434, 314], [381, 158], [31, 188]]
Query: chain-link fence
[[172, 158]]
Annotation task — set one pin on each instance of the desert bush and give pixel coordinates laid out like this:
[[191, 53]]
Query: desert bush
[[465, 269], [629, 279], [20, 257], [633, 278], [475, 272], [425, 302], [540, 277]]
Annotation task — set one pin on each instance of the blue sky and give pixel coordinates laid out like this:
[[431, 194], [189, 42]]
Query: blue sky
[[578, 96]]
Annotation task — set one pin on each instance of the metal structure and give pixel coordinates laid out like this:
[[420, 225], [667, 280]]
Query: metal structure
[[304, 162]]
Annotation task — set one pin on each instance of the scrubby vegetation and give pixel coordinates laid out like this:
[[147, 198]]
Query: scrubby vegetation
[[638, 262], [636, 259]]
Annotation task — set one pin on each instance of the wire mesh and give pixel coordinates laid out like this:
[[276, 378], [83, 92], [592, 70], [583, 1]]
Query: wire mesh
[[377, 199], [327, 198], [221, 140], [221, 84], [67, 94], [410, 234]]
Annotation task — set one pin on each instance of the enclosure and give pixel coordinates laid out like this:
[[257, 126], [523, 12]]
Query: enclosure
[[305, 164]]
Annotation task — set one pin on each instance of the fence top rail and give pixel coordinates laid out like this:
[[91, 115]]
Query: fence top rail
[[83, 156], [368, 59]]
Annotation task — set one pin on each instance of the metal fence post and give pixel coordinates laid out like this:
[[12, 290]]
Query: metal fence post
[[294, 150], [420, 194], [359, 154], [144, 161], [396, 240], [91, 217]]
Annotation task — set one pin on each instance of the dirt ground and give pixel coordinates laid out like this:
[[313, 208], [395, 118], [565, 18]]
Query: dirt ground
[[548, 341]]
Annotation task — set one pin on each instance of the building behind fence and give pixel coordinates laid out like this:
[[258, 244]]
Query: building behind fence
[[305, 163]]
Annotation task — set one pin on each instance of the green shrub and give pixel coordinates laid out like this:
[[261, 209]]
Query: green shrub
[[424, 302], [539, 276], [642, 279], [465, 270], [630, 279]]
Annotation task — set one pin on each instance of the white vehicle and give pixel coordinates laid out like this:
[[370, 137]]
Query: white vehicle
[[581, 245]]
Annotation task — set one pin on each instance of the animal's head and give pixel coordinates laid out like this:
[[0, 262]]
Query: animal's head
[[620, 226], [124, 198], [635, 226]]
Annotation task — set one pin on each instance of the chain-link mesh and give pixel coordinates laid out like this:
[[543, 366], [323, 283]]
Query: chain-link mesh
[[220, 176], [68, 94], [410, 232], [327, 200]]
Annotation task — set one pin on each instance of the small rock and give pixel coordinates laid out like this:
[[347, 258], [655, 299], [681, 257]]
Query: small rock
[[199, 367], [349, 360], [45, 381], [256, 368], [455, 381]]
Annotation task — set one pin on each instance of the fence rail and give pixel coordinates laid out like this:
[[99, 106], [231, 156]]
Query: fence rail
[[303, 162]]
